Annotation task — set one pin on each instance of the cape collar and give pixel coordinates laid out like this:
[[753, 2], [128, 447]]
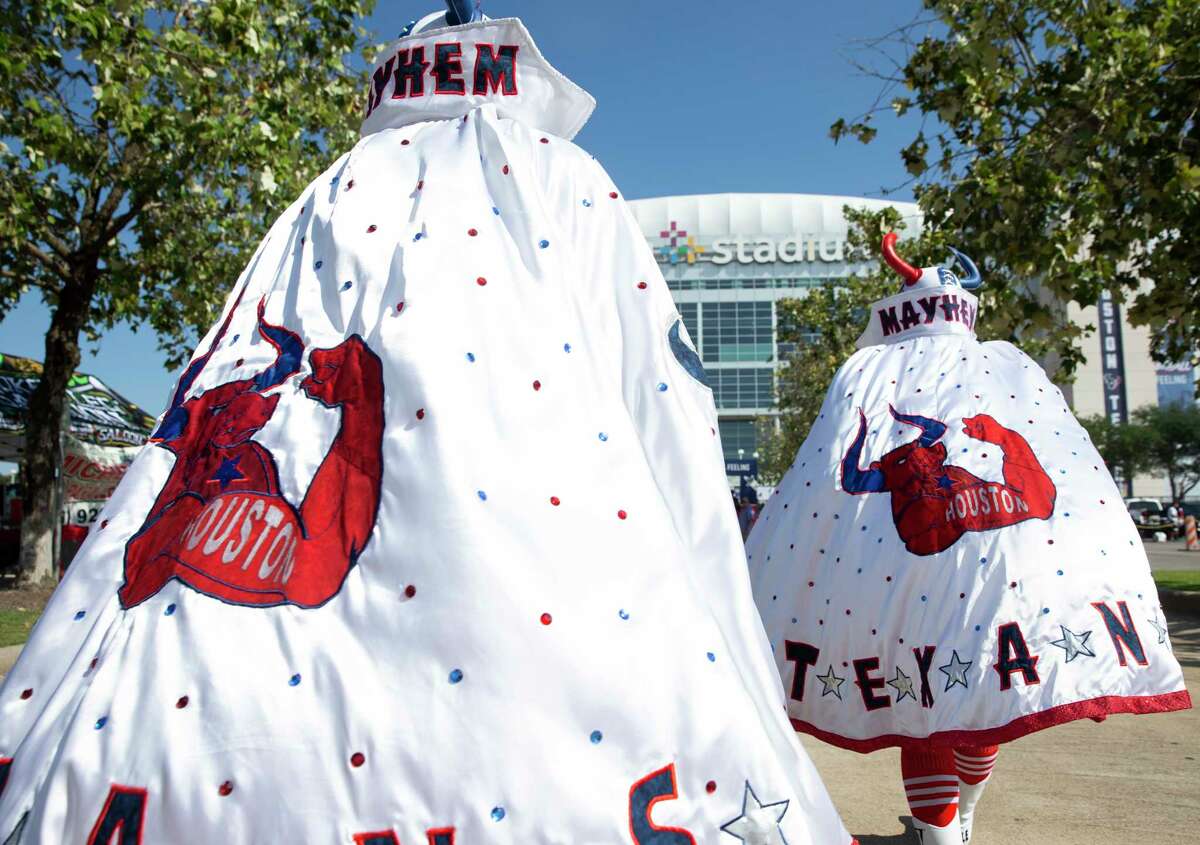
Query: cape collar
[[441, 74], [924, 309]]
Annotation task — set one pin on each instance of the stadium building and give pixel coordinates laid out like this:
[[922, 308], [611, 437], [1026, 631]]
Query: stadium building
[[727, 259]]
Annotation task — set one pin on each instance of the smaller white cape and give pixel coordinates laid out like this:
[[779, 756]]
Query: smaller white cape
[[948, 558]]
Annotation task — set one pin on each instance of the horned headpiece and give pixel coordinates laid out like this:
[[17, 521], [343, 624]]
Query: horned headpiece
[[929, 276]]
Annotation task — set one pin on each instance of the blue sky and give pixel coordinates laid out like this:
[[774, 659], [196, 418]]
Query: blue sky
[[697, 97]]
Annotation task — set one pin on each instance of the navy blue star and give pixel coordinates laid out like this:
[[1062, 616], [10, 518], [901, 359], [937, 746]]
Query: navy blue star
[[945, 482], [227, 472]]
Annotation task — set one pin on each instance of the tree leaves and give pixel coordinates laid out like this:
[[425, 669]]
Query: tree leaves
[[1066, 150], [156, 141]]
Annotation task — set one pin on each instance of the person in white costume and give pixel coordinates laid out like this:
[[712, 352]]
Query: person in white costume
[[433, 542], [948, 564]]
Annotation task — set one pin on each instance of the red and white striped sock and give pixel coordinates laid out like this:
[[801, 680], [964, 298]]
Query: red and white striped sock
[[974, 767], [931, 786]]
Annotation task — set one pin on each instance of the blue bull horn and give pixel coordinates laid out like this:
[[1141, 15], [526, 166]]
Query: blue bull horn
[[931, 430], [972, 279]]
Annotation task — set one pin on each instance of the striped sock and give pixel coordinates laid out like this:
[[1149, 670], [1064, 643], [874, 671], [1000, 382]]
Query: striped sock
[[930, 784], [974, 767]]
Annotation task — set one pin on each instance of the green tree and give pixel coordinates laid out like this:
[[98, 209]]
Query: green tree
[[1172, 444], [146, 145], [1123, 446], [1061, 142], [823, 326]]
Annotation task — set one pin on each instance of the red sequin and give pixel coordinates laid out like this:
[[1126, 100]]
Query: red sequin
[[420, 413], [410, 591], [371, 228], [357, 759], [547, 619], [613, 194], [26, 694], [554, 500], [472, 232], [240, 361], [350, 184], [181, 703], [399, 307], [103, 524], [537, 385], [641, 285], [504, 170], [481, 281], [621, 514], [545, 140], [420, 184], [225, 788], [710, 787], [404, 143]]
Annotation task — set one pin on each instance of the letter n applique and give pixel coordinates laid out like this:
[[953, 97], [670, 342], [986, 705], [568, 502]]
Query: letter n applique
[[1124, 634]]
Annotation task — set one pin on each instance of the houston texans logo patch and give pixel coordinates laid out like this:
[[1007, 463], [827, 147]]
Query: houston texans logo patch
[[221, 523], [935, 503]]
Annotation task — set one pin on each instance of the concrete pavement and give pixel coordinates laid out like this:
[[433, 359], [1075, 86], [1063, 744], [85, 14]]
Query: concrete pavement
[[1172, 555]]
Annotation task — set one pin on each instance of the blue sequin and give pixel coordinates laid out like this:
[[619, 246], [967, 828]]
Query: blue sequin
[[170, 610], [471, 357], [983, 560], [79, 614], [1045, 610], [543, 243], [456, 675], [924, 598], [662, 387], [587, 203], [977, 627], [348, 285], [318, 265], [1060, 572], [482, 496], [624, 614], [497, 814], [294, 681], [566, 347], [712, 658], [101, 722], [603, 437], [596, 737], [418, 236], [495, 210]]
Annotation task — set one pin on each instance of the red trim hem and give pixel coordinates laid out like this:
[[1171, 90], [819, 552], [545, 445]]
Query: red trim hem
[[1093, 708]]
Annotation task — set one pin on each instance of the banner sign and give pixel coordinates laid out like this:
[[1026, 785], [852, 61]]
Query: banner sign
[[747, 468], [1112, 359]]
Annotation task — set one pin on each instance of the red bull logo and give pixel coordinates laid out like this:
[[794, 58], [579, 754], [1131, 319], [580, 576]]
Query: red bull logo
[[221, 523], [935, 503]]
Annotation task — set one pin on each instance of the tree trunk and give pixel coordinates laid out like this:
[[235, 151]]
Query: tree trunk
[[42, 457]]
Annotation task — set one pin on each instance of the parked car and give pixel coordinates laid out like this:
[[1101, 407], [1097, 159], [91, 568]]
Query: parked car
[[1146, 510]]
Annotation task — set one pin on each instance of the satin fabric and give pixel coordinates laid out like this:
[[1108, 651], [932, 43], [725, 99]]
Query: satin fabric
[[505, 598], [948, 559]]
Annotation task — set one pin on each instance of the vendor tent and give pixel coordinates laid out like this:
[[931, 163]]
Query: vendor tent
[[99, 416]]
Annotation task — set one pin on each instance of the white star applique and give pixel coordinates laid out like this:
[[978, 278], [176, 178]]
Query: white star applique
[[759, 823], [955, 671], [903, 685], [1160, 627], [831, 683], [1074, 644]]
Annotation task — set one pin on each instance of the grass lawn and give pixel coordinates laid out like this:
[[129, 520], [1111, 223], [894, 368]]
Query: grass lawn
[[1187, 580], [15, 625]]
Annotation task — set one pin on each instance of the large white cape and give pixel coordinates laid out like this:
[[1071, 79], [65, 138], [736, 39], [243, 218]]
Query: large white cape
[[955, 562], [475, 578]]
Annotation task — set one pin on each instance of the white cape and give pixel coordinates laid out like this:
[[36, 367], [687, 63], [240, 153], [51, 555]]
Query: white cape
[[434, 542], [948, 558]]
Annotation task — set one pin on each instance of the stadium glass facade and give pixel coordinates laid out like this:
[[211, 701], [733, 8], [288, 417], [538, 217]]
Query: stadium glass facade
[[728, 258]]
